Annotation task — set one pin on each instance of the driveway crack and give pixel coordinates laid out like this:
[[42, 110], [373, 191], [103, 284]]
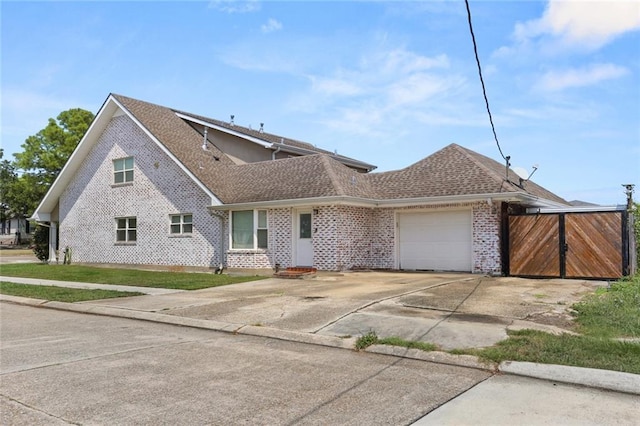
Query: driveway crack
[[395, 296]]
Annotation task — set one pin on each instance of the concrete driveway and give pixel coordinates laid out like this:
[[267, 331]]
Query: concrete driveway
[[450, 310]]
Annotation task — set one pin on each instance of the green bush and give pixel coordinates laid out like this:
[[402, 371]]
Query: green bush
[[41, 243]]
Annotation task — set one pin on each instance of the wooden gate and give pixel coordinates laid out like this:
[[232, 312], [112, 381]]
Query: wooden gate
[[568, 245]]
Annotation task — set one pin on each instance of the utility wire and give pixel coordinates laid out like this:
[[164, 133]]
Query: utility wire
[[484, 90]]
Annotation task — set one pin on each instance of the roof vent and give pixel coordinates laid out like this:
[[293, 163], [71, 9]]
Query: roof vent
[[261, 128], [204, 141], [231, 123]]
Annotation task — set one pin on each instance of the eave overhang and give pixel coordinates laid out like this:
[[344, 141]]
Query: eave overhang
[[511, 197]]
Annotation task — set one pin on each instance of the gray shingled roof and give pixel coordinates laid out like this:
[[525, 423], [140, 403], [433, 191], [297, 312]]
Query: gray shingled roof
[[451, 171]]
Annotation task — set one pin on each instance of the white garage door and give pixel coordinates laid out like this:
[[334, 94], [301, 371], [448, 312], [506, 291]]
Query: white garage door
[[435, 241]]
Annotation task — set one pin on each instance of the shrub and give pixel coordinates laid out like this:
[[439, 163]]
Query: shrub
[[40, 243]]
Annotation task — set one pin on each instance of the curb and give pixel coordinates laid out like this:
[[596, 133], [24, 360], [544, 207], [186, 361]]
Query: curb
[[591, 377], [468, 361]]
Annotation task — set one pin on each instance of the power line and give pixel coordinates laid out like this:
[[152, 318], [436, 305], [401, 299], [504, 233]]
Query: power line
[[484, 90]]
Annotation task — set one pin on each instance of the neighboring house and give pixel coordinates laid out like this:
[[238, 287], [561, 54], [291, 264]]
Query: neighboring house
[[150, 185], [13, 225]]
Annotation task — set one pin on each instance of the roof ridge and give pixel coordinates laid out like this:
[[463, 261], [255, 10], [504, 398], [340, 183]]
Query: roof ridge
[[333, 176], [504, 183]]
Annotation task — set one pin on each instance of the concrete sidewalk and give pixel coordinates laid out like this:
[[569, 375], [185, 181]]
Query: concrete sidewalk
[[318, 311], [90, 286]]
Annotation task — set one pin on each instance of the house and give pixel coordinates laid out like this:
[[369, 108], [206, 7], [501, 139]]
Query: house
[[14, 228], [151, 185]]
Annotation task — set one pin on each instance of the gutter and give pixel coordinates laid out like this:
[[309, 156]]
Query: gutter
[[578, 209], [223, 129], [345, 160], [379, 203]]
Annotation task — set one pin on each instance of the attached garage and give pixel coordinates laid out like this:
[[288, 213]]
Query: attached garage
[[440, 241]]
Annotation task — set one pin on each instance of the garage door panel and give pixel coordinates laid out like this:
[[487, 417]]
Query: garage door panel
[[435, 241]]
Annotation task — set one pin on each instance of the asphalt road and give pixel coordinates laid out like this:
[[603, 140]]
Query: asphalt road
[[67, 368]]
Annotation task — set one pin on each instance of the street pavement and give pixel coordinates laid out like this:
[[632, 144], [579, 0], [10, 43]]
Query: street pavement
[[63, 368]]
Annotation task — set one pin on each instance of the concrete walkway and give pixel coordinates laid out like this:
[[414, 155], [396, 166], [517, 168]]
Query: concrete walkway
[[238, 309]]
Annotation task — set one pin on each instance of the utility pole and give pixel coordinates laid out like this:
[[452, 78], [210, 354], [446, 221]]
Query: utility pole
[[629, 191]]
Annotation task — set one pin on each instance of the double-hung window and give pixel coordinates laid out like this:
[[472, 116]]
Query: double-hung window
[[123, 170], [181, 224], [126, 229], [249, 229]]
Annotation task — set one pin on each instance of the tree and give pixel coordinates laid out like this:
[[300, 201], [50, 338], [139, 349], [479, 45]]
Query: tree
[[8, 178], [43, 157]]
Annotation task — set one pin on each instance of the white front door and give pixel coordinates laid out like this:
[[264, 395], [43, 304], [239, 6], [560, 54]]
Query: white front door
[[304, 241]]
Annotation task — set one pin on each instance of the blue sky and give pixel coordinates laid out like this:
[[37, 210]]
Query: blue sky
[[385, 82]]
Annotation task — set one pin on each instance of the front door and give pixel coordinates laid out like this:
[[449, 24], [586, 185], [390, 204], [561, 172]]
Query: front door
[[304, 242]]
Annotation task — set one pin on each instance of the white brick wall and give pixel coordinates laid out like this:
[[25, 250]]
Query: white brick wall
[[357, 237], [89, 205], [486, 238]]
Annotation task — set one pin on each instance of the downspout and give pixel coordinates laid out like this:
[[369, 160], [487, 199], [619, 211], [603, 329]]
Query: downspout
[[273, 154], [222, 236]]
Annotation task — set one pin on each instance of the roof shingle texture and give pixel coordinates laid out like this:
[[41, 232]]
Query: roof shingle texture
[[451, 171]]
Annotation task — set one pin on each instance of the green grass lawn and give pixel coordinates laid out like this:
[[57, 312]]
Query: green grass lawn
[[60, 294], [613, 312], [566, 349], [133, 277]]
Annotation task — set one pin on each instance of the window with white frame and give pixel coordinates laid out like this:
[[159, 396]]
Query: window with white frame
[[181, 224], [123, 170], [249, 229], [126, 229]]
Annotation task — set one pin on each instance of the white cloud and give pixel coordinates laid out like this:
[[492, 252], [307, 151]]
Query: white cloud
[[404, 62], [382, 91], [334, 86], [416, 88], [271, 26], [235, 6], [583, 23], [588, 76]]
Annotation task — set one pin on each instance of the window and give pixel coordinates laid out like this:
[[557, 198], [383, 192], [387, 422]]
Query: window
[[123, 170], [249, 229], [261, 230], [126, 229], [181, 224]]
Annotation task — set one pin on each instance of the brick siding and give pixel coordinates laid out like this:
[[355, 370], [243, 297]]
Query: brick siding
[[90, 203]]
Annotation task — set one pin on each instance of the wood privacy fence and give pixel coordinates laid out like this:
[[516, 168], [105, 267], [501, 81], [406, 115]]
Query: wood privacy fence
[[569, 245]]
